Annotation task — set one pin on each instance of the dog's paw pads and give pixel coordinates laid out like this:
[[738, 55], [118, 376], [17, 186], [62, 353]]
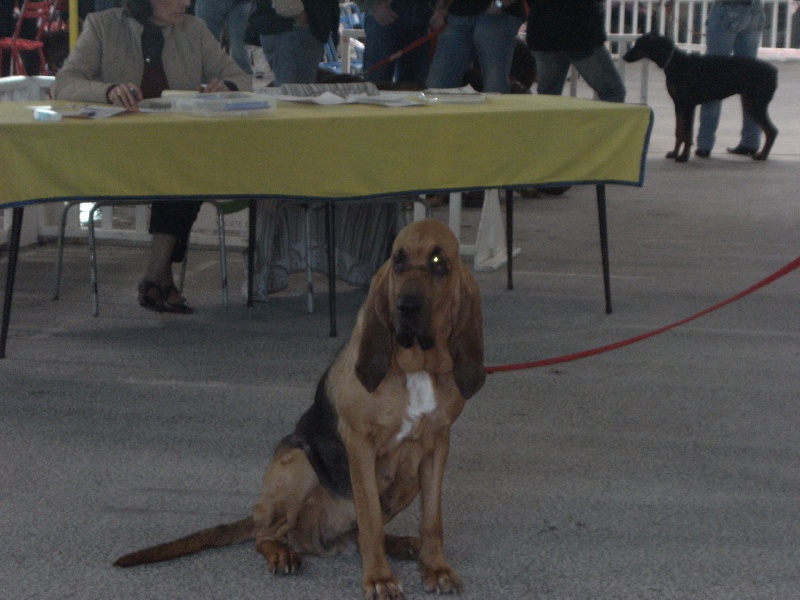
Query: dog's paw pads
[[388, 589], [281, 560], [441, 581]]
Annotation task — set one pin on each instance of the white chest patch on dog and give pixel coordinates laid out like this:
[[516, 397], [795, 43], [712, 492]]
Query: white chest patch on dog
[[421, 400]]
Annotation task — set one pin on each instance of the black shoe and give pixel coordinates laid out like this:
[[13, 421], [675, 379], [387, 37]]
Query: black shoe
[[743, 150], [702, 153], [150, 296]]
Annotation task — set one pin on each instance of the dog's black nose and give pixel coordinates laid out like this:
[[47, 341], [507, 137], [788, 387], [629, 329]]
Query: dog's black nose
[[409, 305]]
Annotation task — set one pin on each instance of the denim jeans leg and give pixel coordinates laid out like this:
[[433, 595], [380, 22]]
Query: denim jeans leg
[[454, 53], [383, 41], [493, 38], [602, 76], [719, 40], [237, 26], [413, 66], [747, 43], [379, 43], [551, 72], [218, 13], [293, 56], [730, 29], [214, 13]]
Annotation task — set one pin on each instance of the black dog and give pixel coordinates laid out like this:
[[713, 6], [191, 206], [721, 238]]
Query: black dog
[[693, 79]]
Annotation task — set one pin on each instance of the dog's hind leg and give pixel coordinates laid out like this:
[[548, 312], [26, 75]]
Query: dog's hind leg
[[681, 150], [288, 482], [687, 132], [759, 114]]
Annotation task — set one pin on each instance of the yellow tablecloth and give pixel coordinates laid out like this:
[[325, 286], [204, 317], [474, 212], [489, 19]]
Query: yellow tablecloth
[[345, 151]]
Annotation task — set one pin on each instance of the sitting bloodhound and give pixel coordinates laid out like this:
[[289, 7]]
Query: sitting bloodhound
[[378, 431]]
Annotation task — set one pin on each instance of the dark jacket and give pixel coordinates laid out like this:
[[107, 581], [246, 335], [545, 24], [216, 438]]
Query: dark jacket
[[565, 25], [322, 15]]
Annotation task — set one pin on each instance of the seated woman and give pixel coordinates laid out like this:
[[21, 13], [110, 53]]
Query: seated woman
[[124, 55]]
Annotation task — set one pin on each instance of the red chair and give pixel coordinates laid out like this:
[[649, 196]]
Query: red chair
[[40, 12]]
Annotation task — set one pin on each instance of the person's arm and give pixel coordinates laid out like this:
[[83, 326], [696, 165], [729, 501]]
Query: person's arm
[[383, 13], [79, 78], [440, 10], [219, 67]]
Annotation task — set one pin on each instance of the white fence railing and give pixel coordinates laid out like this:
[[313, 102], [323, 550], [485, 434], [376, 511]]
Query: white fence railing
[[684, 20]]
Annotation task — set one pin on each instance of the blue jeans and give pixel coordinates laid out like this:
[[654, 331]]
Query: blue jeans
[[596, 67], [293, 56], [382, 41], [487, 38], [234, 13], [731, 28]]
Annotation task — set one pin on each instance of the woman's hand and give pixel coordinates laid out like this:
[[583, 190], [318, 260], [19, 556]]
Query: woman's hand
[[438, 20], [124, 94], [383, 13], [215, 85]]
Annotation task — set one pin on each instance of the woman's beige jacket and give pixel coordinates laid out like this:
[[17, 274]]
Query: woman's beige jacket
[[109, 52]]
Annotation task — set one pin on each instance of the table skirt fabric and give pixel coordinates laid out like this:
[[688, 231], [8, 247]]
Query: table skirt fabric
[[364, 237]]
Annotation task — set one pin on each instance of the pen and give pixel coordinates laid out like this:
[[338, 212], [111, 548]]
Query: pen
[[133, 92]]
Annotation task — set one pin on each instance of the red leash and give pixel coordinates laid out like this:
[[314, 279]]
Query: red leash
[[412, 46], [621, 344]]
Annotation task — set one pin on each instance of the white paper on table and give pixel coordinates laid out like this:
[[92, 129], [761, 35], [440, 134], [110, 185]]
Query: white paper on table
[[330, 99]]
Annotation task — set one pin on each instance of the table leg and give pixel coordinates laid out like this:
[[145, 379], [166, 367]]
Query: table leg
[[509, 238], [13, 254], [330, 221], [601, 214], [251, 249]]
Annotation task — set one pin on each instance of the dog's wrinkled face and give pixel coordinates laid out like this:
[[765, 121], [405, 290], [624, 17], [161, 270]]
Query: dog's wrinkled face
[[417, 276], [422, 266], [424, 302]]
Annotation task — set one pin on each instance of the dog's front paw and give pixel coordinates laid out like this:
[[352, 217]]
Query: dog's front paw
[[441, 580], [383, 589], [281, 560]]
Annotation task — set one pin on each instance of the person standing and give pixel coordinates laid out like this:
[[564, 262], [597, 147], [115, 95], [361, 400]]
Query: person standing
[[293, 34], [482, 30], [733, 27], [571, 32], [390, 26], [231, 13]]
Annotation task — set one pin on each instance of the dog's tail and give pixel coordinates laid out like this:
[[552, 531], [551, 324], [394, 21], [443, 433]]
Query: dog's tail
[[213, 537]]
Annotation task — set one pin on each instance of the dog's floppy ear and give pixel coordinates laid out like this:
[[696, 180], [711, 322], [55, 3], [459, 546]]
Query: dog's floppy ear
[[466, 343], [376, 344]]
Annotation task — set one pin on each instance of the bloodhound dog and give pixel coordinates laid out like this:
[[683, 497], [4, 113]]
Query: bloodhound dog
[[378, 431]]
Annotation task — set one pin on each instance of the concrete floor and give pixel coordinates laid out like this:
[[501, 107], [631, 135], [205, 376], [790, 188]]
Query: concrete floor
[[666, 469]]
